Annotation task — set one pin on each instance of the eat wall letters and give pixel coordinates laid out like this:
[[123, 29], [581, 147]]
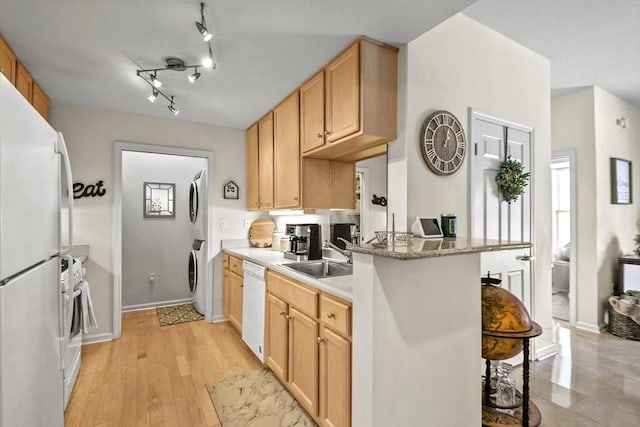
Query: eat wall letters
[[81, 190]]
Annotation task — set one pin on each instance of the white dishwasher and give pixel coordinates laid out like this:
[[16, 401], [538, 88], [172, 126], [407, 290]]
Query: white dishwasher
[[253, 301]]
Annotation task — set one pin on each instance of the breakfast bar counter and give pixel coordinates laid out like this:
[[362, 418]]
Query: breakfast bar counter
[[417, 332]]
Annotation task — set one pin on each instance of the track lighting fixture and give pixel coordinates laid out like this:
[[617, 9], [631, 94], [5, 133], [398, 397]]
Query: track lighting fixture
[[202, 27], [193, 77], [153, 96], [177, 64]]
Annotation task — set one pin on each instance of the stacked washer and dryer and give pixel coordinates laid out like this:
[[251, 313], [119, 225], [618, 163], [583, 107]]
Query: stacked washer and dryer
[[197, 256]]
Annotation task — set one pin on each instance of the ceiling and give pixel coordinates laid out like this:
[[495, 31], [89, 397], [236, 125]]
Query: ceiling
[[86, 52]]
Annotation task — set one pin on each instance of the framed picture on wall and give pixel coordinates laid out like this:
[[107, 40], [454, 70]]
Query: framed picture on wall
[[621, 191], [158, 200]]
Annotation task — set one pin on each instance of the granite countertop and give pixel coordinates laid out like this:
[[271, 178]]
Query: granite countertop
[[340, 286], [429, 248]]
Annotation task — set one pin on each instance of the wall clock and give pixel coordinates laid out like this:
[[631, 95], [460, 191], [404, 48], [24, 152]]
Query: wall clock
[[443, 143]]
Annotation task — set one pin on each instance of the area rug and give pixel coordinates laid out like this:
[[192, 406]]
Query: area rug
[[256, 399], [177, 314]]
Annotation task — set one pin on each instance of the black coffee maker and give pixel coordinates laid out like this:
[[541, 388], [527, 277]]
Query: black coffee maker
[[305, 241]]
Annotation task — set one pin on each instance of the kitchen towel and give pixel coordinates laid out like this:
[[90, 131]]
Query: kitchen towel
[[88, 318]]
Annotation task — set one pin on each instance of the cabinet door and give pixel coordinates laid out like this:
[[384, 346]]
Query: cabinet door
[[277, 337], [7, 62], [253, 167], [226, 291], [335, 380], [312, 113], [265, 156], [40, 101], [303, 359], [343, 185], [235, 300], [286, 122], [342, 79], [23, 81]]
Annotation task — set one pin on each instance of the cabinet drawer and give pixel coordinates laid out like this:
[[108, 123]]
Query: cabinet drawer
[[235, 265], [301, 297], [336, 315], [225, 261]]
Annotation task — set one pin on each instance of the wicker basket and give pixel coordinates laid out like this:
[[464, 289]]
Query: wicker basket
[[622, 326]]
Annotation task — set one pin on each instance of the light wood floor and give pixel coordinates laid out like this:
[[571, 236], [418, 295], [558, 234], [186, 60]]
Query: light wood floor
[[156, 376]]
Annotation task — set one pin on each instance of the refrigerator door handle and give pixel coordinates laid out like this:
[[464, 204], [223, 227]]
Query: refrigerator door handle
[[68, 186]]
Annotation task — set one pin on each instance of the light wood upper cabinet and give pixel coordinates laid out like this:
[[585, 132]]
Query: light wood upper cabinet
[[303, 359], [24, 81], [342, 77], [328, 184], [361, 103], [335, 379], [265, 155], [253, 167], [8, 62], [40, 101], [312, 125], [286, 123]]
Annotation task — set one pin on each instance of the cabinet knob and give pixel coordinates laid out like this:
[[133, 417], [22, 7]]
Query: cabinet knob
[[331, 315], [320, 339], [288, 317], [319, 135], [282, 313], [326, 132], [242, 286], [295, 198]]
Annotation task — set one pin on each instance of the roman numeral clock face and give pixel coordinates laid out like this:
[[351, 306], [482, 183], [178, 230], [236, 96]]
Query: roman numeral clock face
[[442, 143]]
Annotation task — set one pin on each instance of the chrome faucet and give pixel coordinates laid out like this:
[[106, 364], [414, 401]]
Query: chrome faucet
[[344, 252]]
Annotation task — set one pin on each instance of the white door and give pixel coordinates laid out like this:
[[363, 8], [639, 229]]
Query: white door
[[491, 218]]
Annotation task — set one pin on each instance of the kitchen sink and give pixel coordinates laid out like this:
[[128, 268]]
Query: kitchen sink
[[321, 268]]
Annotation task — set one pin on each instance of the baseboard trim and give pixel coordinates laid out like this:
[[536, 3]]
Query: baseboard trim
[[546, 352], [147, 306], [590, 327], [218, 318], [96, 338]]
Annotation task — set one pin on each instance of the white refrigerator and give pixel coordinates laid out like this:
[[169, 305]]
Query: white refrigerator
[[30, 240]]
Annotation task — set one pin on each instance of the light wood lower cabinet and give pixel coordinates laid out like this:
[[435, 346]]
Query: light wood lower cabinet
[[310, 355], [234, 292], [277, 337], [335, 379], [303, 359]]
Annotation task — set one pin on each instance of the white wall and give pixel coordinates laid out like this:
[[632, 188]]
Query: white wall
[[158, 246], [90, 134], [458, 65], [375, 218], [585, 121]]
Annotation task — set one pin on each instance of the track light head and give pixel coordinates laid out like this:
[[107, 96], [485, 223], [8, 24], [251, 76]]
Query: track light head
[[153, 96], [173, 109], [193, 77], [206, 35], [207, 62], [155, 82]]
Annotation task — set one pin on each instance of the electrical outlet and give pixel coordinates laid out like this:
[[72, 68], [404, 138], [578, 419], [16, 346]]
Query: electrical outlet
[[152, 278], [223, 224], [247, 223]]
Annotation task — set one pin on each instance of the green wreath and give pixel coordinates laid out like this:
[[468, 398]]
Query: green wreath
[[511, 179]]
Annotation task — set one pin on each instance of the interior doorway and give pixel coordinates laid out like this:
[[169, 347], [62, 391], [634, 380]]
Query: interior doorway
[[563, 237], [153, 218]]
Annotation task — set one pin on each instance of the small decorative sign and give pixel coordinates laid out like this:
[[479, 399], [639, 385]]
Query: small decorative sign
[[81, 190], [159, 200], [231, 190]]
